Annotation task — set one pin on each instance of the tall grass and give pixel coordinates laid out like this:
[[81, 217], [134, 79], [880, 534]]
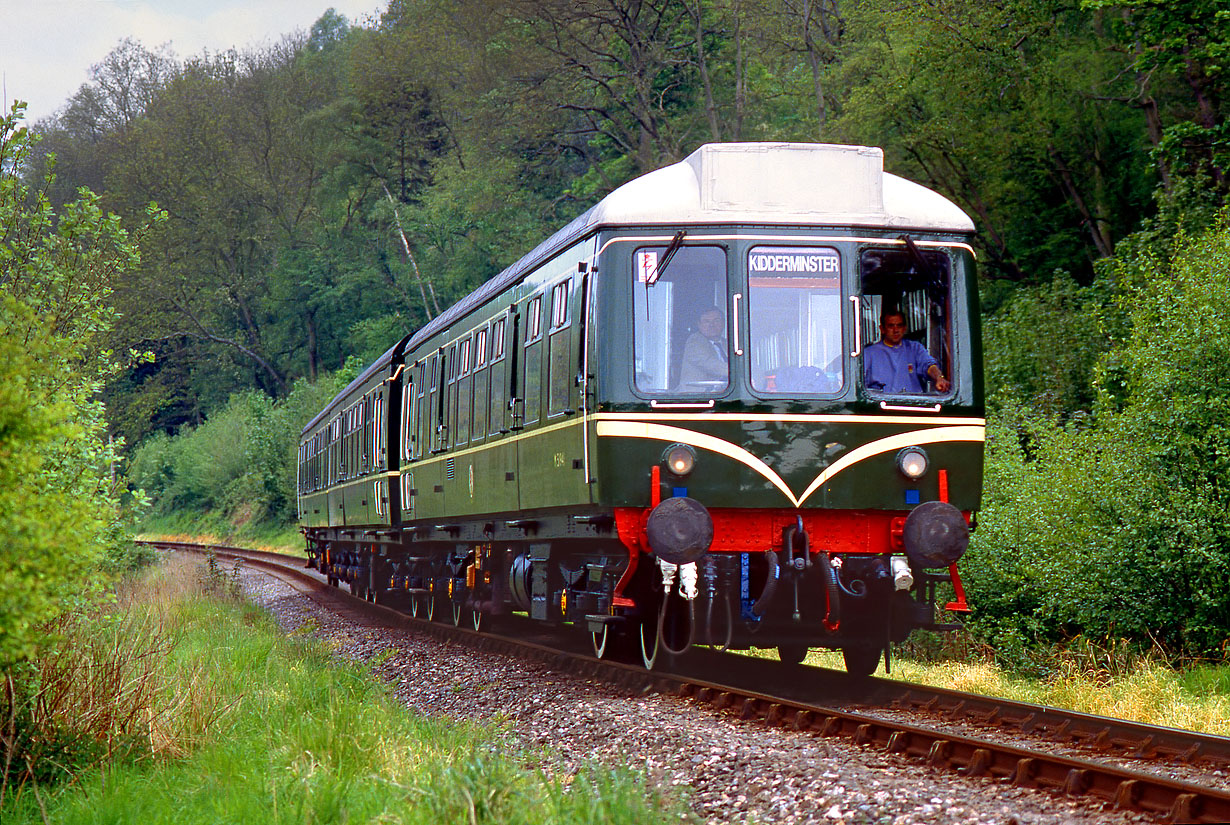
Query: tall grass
[[239, 723], [102, 690]]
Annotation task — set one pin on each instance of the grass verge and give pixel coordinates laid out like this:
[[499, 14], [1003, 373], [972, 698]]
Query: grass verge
[[238, 723], [1107, 681]]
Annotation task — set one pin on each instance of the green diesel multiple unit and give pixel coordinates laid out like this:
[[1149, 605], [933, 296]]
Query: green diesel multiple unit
[[674, 421]]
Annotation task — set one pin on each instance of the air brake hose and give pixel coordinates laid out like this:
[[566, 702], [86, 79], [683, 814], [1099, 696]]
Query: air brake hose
[[832, 591], [662, 625], [730, 623]]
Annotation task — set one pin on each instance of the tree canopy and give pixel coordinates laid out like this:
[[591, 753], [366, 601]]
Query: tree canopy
[[329, 193]]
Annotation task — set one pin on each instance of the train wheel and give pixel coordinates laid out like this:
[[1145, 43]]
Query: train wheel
[[615, 644], [415, 598], [861, 660], [792, 654], [648, 633], [602, 641], [429, 611], [456, 614], [478, 620]]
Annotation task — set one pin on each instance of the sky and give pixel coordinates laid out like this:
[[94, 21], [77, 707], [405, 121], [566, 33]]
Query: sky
[[48, 46]]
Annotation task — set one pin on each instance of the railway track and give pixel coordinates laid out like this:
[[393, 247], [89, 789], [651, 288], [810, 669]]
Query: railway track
[[1112, 761]]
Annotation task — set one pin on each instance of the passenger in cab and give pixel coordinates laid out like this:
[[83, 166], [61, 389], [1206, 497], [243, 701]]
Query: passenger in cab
[[897, 364], [705, 360]]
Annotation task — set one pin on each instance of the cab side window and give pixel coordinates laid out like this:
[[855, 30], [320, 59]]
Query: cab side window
[[906, 321]]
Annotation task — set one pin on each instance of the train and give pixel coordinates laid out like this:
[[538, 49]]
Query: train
[[668, 425]]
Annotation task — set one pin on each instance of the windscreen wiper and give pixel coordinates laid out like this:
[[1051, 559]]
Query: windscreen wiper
[[671, 249]]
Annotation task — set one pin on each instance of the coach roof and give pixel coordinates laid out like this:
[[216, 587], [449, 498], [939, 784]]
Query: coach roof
[[761, 183]]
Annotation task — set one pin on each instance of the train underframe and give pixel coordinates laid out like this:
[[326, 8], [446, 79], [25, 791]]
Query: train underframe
[[595, 572]]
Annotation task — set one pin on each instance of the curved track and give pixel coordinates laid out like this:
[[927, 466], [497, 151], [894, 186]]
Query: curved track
[[823, 701]]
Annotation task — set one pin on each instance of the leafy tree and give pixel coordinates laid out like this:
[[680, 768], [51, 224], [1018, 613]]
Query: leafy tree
[[1121, 526], [1176, 53], [62, 515]]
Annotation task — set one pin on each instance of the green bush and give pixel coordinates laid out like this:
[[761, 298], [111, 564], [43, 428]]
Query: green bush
[[62, 523], [241, 463], [1120, 526]]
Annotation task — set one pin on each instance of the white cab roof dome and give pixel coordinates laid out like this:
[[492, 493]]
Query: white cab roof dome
[[804, 183]]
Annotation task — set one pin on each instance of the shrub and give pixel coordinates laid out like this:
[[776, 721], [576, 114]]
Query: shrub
[[62, 518], [1120, 526]]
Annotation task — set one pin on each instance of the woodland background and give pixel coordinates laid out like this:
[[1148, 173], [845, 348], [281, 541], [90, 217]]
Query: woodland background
[[257, 225]]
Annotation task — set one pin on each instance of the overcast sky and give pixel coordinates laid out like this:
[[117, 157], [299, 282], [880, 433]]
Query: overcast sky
[[48, 46]]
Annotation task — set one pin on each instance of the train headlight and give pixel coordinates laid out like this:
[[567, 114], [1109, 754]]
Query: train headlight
[[912, 462], [680, 459]]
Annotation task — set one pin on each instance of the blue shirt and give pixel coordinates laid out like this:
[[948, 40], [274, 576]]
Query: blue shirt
[[902, 368]]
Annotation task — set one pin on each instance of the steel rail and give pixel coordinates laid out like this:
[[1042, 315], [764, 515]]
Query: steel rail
[[1179, 801], [1122, 737]]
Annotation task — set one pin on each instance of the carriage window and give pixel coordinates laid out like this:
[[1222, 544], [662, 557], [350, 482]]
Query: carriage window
[[532, 362], [794, 320], [680, 323], [422, 412], [366, 432], [464, 382], [448, 411], [335, 451], [407, 417], [560, 363], [379, 444], [499, 378], [497, 340], [906, 322], [480, 349], [533, 320], [478, 426], [559, 304]]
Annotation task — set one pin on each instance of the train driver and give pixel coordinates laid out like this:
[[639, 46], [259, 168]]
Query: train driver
[[896, 364], [705, 359]]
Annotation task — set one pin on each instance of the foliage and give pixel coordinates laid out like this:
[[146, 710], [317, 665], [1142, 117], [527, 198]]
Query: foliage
[[242, 461], [63, 518], [347, 184], [234, 713], [1042, 344], [1120, 526]]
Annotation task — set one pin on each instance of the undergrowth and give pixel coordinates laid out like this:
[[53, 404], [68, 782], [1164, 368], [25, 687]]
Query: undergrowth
[[173, 705]]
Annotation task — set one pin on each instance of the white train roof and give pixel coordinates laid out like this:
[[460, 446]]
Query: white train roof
[[792, 183]]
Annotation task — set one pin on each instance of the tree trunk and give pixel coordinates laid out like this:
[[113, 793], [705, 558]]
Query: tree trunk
[[702, 63], [1097, 226], [740, 74], [424, 286], [313, 351], [813, 60]]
